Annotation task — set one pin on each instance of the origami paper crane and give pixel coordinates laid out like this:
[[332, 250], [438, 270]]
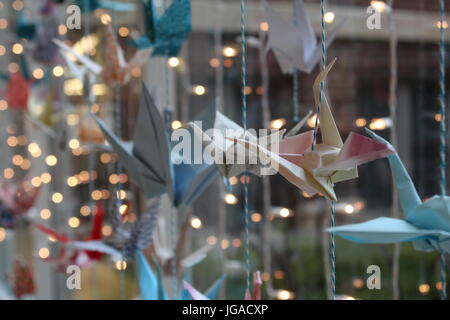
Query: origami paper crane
[[152, 286], [21, 279], [228, 149], [115, 71], [150, 162], [256, 295], [426, 224], [167, 33], [117, 6], [316, 171], [295, 47], [15, 201], [19, 85], [82, 256]]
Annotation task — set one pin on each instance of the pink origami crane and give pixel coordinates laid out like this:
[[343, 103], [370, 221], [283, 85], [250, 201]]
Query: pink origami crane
[[316, 170], [257, 283]]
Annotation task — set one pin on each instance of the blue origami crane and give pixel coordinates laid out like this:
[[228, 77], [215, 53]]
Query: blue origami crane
[[167, 33], [426, 224], [150, 163], [152, 288]]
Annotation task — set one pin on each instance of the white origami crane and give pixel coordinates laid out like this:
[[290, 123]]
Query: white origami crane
[[295, 47]]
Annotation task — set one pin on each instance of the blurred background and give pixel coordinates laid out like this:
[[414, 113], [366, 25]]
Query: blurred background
[[52, 142]]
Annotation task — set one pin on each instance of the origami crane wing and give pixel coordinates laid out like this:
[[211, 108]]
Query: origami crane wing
[[409, 199], [296, 175], [384, 230], [88, 63], [315, 56], [142, 175]]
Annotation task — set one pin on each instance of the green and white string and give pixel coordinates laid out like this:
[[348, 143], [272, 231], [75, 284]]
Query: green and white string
[[296, 76], [442, 142], [332, 249], [244, 120]]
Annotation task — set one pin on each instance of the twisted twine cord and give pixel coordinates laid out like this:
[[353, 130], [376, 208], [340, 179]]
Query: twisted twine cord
[[296, 75], [322, 83], [442, 144], [244, 120], [332, 255]]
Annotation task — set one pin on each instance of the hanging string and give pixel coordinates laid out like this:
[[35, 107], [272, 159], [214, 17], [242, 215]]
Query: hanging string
[[332, 249], [322, 83], [395, 212], [296, 75], [443, 146], [266, 116], [244, 120], [118, 168]]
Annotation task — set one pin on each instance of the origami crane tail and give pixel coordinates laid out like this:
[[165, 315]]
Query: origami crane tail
[[214, 289], [91, 65], [52, 233], [195, 294], [409, 198]]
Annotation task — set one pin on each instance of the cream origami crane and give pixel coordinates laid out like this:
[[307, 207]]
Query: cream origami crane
[[115, 71], [223, 129], [316, 170]]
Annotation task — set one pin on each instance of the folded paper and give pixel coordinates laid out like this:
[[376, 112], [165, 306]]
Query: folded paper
[[295, 46], [150, 162], [426, 224], [317, 170]]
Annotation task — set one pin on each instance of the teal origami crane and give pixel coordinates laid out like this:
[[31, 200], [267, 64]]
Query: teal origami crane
[[426, 224], [167, 33], [151, 162], [151, 285]]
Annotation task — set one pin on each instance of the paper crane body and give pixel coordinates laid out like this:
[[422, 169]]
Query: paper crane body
[[426, 224], [224, 128], [167, 33], [22, 279], [115, 71], [295, 47], [150, 163], [316, 171]]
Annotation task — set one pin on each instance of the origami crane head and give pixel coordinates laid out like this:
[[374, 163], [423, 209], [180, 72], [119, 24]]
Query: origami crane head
[[316, 170], [167, 33], [150, 162], [426, 224], [152, 287], [295, 47]]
